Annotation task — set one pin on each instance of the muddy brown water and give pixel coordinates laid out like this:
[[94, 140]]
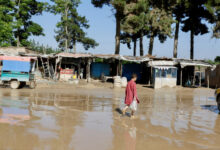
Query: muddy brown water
[[89, 119]]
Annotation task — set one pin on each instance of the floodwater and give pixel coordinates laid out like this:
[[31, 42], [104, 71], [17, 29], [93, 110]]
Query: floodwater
[[89, 119]]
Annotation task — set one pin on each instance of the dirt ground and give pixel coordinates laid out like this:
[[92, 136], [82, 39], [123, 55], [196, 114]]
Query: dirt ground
[[60, 116]]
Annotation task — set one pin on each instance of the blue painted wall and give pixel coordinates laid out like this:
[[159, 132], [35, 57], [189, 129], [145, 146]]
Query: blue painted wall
[[98, 68], [129, 69]]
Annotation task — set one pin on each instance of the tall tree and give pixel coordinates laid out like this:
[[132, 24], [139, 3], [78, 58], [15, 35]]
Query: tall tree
[[6, 18], [70, 30], [178, 13], [134, 22], [213, 7], [23, 25], [118, 6], [196, 13], [159, 22], [127, 38]]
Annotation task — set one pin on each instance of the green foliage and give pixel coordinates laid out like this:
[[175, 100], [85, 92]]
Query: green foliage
[[99, 60], [15, 21], [70, 30], [195, 13], [144, 17], [23, 26], [36, 46], [6, 18], [217, 59], [215, 62], [213, 6], [160, 21]]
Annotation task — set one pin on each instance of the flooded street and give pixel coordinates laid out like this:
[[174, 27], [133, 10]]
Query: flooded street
[[68, 118]]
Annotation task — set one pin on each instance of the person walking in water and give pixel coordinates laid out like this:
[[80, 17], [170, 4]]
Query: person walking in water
[[131, 98]]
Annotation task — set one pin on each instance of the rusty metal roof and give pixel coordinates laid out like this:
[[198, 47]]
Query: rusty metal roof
[[73, 55]]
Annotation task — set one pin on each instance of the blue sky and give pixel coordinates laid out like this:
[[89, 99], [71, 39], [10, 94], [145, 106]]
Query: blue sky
[[102, 29]]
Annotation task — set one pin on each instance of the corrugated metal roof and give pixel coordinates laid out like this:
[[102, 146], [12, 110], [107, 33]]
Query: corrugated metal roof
[[72, 55], [17, 58], [154, 63], [188, 62], [125, 58]]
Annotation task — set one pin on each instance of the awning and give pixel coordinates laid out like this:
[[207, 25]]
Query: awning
[[165, 67], [161, 63], [184, 62]]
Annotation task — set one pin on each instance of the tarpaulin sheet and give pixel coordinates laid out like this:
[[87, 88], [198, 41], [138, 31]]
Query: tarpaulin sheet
[[17, 58], [100, 68], [20, 66], [129, 69]]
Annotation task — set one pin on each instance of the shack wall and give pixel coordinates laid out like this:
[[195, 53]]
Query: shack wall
[[129, 69], [214, 77], [163, 82], [97, 69]]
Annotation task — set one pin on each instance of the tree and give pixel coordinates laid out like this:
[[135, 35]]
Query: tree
[[6, 18], [23, 10], [70, 28], [217, 59], [134, 22], [194, 22], [118, 6], [36, 46], [127, 38], [178, 13], [213, 7], [159, 22]]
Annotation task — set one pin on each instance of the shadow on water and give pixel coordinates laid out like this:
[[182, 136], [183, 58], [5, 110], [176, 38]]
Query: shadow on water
[[212, 108], [148, 86], [120, 112]]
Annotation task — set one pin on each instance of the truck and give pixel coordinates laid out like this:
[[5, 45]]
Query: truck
[[17, 71]]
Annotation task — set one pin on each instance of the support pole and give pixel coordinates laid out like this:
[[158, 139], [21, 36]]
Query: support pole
[[117, 74], [200, 78], [181, 76], [151, 75], [60, 60], [88, 70], [56, 62], [37, 65], [208, 79], [194, 76], [79, 69], [120, 68], [48, 65]]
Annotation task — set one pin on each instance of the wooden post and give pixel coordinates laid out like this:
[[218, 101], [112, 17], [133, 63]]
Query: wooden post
[[37, 64], [88, 70], [56, 62], [60, 60], [151, 73], [200, 78], [79, 69], [208, 79], [120, 68], [181, 76], [48, 65], [194, 76], [117, 68]]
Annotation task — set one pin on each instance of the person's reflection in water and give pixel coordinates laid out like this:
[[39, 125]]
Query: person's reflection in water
[[130, 136]]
